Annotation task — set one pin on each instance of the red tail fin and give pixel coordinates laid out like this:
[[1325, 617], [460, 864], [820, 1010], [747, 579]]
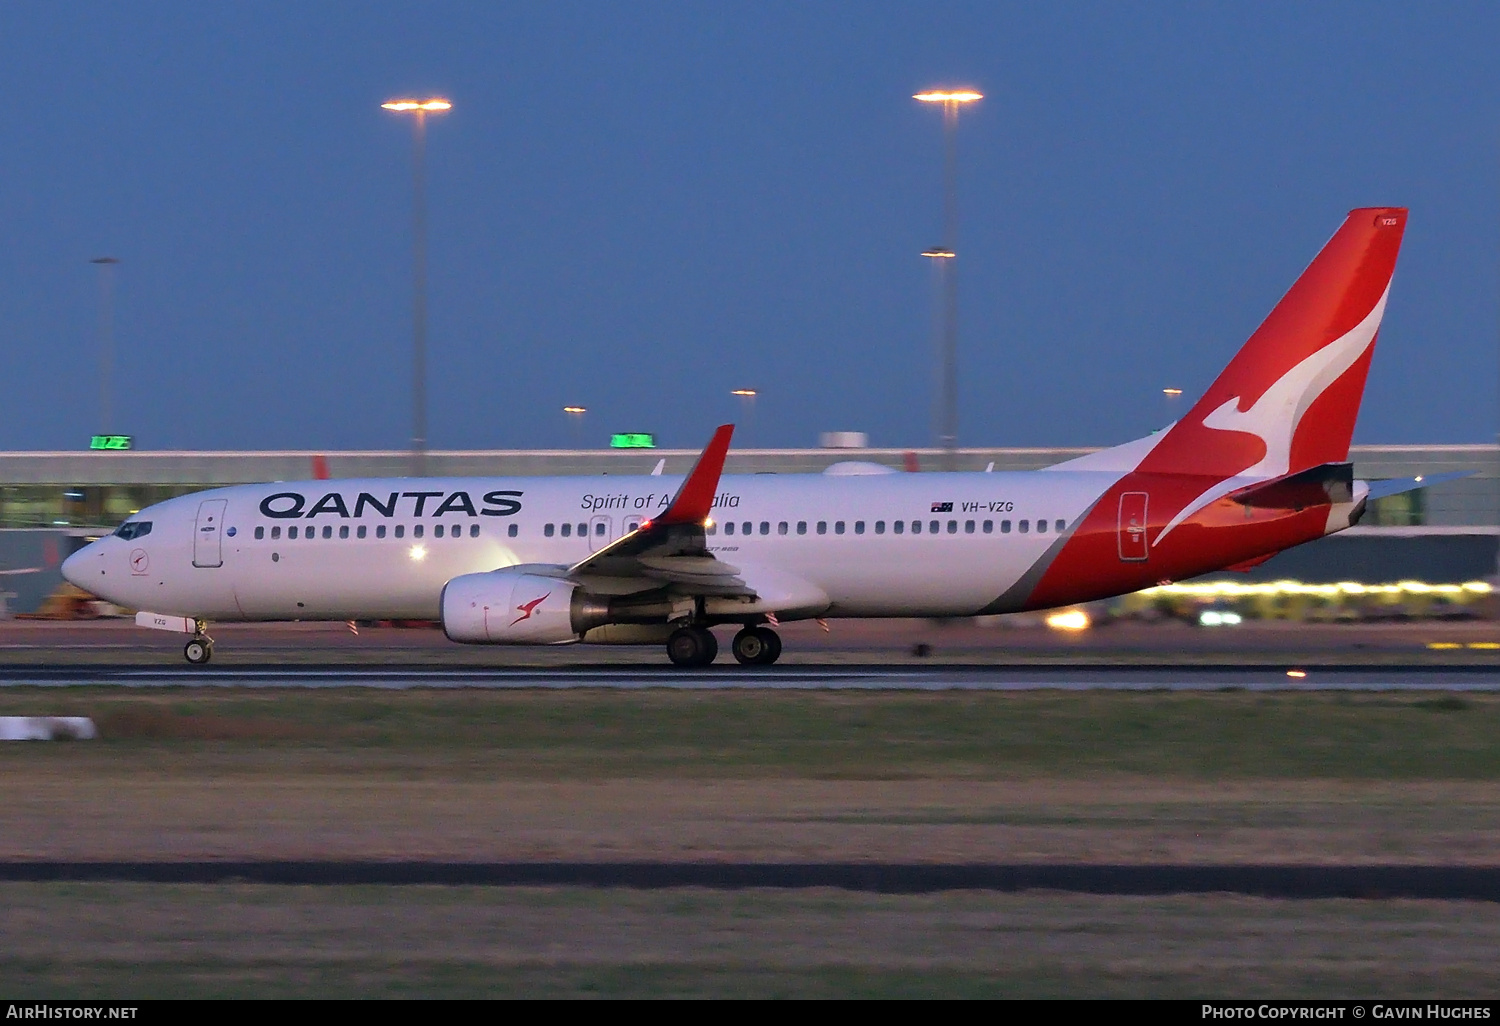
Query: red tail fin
[[1288, 400]]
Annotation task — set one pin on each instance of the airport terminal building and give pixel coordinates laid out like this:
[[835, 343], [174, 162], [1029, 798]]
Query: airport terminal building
[[51, 501]]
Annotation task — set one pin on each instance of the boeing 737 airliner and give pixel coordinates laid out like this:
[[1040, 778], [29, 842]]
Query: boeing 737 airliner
[[1258, 465]]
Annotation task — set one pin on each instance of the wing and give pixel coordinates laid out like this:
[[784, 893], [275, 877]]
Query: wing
[[671, 549]]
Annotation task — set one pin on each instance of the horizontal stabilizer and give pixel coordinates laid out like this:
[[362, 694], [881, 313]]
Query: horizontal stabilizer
[[1316, 486], [1397, 485]]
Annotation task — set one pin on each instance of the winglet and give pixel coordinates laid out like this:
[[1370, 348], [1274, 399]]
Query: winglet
[[695, 499]]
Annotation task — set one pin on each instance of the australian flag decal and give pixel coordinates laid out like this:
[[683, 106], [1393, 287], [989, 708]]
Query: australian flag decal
[[942, 507]]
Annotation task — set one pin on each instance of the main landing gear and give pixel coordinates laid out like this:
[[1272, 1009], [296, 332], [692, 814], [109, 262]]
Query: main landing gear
[[757, 646], [696, 646], [201, 649]]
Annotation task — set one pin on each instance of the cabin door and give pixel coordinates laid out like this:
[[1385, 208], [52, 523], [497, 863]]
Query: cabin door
[[208, 533]]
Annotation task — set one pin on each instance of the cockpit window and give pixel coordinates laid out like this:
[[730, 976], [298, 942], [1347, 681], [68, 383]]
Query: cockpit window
[[133, 529]]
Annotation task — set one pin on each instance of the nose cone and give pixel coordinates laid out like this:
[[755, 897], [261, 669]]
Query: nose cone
[[73, 566]]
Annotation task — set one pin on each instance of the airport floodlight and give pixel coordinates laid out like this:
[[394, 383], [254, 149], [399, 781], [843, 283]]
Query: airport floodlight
[[575, 409], [422, 105], [945, 96], [1171, 391], [748, 393], [946, 408], [420, 109]]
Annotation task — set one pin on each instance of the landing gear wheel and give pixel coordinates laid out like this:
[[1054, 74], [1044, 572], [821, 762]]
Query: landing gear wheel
[[772, 642], [757, 646], [692, 646], [198, 651]]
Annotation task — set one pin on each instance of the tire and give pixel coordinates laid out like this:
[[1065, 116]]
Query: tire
[[198, 652], [771, 642], [692, 646], [749, 647]]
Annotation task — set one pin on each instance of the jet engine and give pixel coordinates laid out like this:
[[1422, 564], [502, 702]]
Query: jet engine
[[513, 607]]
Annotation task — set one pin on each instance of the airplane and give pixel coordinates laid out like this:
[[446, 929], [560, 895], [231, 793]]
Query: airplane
[[1259, 464]]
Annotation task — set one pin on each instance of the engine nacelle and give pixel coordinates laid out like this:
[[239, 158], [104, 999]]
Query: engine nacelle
[[506, 607]]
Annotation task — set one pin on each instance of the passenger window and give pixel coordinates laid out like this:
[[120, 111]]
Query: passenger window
[[380, 530], [859, 527], [474, 530], [802, 527], [583, 530], [729, 527], [343, 530], [968, 527], [898, 526], [838, 527], [291, 532], [361, 530], [567, 530], [953, 527], [400, 530], [1041, 527], [765, 527], [327, 531], [932, 527], [599, 529], [260, 532], [437, 532], [712, 528], [880, 527], [822, 527], [1005, 527], [309, 532], [275, 533], [916, 527], [1024, 526], [781, 527], [746, 527], [514, 530], [548, 530], [1060, 526], [418, 530], [989, 527]]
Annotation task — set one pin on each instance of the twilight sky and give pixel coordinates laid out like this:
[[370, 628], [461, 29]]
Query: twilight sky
[[641, 206]]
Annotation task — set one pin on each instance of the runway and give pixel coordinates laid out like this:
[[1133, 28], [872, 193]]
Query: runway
[[936, 677], [1448, 883]]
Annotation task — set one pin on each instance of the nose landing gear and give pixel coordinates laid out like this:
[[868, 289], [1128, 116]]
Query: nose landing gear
[[201, 649]]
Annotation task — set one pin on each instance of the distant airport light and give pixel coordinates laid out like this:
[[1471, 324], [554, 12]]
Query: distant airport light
[[748, 392], [575, 409], [424, 105], [1268, 589], [1069, 620], [1296, 674], [1171, 391], [939, 252], [940, 96], [632, 440], [112, 442]]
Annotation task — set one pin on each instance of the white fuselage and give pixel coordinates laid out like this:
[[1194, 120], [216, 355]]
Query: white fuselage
[[229, 554]]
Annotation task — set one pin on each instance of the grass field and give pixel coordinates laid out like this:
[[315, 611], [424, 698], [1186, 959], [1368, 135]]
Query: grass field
[[990, 777]]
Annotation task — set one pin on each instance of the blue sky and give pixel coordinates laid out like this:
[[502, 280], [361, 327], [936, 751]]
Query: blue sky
[[639, 207]]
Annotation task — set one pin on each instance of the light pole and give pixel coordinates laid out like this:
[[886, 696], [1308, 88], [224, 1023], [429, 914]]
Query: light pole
[[944, 254], [747, 408], [419, 109], [106, 267], [575, 416]]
